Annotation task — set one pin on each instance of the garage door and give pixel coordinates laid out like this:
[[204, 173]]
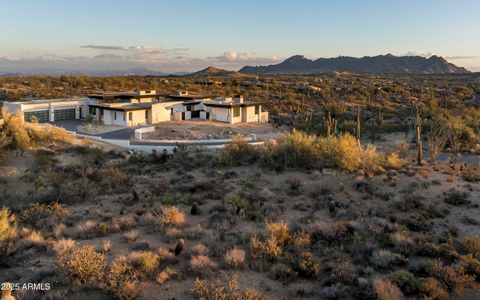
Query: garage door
[[64, 114], [41, 116]]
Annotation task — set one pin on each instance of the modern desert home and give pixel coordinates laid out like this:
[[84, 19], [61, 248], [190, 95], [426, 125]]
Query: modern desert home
[[142, 108], [50, 110]]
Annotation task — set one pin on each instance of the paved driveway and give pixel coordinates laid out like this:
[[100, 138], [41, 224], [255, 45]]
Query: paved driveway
[[122, 134]]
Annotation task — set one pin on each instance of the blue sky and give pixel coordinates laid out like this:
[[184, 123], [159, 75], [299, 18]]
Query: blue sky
[[188, 35]]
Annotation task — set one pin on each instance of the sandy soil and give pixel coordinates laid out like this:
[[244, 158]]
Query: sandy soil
[[194, 129]]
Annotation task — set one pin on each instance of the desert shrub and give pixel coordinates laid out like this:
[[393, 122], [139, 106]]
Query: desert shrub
[[383, 258], [345, 153], [131, 236], [273, 245], [225, 287], [124, 222], [235, 258], [394, 162], [294, 185], [39, 211], [82, 265], [433, 289], [202, 264], [238, 152], [330, 232], [42, 135], [406, 281], [456, 197], [283, 273], [32, 239], [13, 132], [386, 290], [64, 245], [409, 201], [471, 264], [122, 280], [307, 265], [199, 249], [292, 150], [144, 261], [471, 244], [371, 161], [8, 233], [170, 215], [165, 275], [451, 277], [115, 178]]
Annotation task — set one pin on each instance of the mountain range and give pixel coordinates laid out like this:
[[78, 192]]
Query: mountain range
[[381, 64]]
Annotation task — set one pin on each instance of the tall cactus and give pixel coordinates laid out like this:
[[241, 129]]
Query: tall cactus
[[357, 131], [418, 124], [330, 123]]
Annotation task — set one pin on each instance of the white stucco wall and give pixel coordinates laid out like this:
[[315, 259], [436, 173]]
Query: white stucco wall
[[221, 114], [109, 118], [138, 118]]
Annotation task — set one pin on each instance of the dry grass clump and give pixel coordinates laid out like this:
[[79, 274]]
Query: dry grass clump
[[39, 211], [13, 133], [199, 249], [393, 161], [386, 290], [166, 274], [202, 264], [8, 232], [124, 222], [144, 261], [47, 134], [82, 265], [115, 178], [64, 245], [32, 239], [225, 287], [273, 245], [122, 280], [235, 258]]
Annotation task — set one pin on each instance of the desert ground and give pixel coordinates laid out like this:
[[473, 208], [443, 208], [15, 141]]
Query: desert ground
[[198, 129], [96, 221]]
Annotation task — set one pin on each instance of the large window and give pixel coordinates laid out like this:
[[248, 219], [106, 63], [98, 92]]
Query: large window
[[115, 115], [236, 112], [257, 109], [130, 116]]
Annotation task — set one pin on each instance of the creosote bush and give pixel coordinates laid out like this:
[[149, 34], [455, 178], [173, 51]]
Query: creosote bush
[[82, 265]]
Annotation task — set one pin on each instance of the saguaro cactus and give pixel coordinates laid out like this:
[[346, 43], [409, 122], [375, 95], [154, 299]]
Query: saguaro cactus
[[330, 123], [357, 131], [418, 124]]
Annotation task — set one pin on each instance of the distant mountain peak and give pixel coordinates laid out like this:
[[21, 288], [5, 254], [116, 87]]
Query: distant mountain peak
[[380, 64], [214, 71]]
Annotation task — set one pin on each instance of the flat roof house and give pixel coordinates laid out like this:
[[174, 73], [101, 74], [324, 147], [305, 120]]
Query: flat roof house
[[235, 110], [50, 110], [142, 108]]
